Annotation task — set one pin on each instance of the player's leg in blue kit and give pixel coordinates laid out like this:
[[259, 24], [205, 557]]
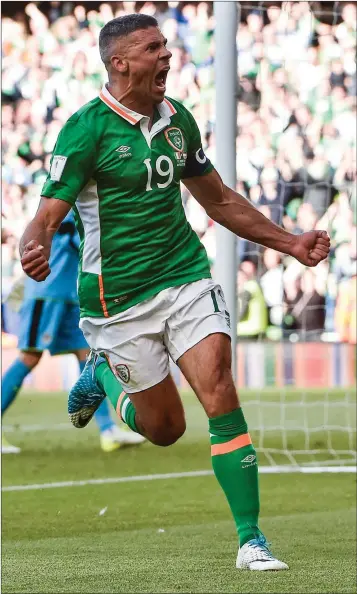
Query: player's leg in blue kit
[[12, 382], [53, 325], [14, 377], [27, 359]]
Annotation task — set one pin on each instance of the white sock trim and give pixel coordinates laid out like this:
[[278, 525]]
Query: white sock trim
[[124, 407]]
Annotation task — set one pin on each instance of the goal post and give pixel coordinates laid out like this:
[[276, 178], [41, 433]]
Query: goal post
[[297, 387], [226, 83]]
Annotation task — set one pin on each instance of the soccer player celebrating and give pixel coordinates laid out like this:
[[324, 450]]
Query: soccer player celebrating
[[48, 320], [145, 286]]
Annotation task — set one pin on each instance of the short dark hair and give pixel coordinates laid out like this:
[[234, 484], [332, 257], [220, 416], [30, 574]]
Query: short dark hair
[[121, 27]]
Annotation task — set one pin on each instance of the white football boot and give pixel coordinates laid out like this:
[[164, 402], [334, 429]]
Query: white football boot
[[116, 437], [255, 555], [8, 448]]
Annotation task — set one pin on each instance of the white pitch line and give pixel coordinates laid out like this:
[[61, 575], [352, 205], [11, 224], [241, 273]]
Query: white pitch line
[[177, 475], [66, 426], [35, 428], [108, 481]]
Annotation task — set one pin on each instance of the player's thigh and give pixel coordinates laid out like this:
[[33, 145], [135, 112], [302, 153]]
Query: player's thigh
[[198, 339], [39, 323], [207, 368], [69, 337]]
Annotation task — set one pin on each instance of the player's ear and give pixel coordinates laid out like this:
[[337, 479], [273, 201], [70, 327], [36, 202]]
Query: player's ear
[[119, 64]]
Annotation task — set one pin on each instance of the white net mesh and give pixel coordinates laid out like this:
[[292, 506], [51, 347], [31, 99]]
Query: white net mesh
[[295, 160]]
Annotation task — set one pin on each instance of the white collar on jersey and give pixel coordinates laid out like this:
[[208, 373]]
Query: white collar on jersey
[[165, 108]]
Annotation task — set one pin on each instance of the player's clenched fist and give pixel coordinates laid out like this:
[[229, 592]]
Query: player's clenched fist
[[311, 247], [34, 261]]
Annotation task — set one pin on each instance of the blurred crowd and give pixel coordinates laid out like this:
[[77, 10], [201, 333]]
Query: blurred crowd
[[296, 136]]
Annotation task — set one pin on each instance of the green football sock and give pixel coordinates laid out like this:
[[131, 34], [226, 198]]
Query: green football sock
[[234, 463], [114, 391]]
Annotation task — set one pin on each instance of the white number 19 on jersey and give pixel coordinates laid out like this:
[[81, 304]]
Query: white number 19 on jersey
[[163, 171]]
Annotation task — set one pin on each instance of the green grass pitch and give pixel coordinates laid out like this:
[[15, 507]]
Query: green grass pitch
[[171, 535]]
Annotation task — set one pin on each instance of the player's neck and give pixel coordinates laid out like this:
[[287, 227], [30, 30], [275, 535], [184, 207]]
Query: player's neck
[[126, 98]]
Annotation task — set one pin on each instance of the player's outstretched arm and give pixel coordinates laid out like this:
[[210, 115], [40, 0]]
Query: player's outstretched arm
[[35, 244], [233, 211]]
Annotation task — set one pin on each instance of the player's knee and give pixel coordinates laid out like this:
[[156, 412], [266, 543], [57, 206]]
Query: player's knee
[[30, 359], [167, 433]]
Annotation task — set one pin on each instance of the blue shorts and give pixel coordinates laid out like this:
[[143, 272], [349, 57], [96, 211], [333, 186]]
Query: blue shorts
[[47, 324]]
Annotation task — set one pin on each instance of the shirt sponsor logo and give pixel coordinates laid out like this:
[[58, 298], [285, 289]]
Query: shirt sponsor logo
[[123, 372], [123, 151], [57, 167]]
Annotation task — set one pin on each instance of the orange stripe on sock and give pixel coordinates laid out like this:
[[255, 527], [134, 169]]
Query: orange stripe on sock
[[120, 400], [234, 444], [101, 296]]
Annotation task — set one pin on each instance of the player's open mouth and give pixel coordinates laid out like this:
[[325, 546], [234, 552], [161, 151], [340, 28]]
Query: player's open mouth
[[160, 79]]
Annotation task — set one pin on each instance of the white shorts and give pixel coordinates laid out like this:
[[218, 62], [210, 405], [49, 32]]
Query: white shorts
[[138, 341]]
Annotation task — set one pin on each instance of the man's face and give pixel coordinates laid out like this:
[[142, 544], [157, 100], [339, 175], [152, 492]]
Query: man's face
[[143, 58]]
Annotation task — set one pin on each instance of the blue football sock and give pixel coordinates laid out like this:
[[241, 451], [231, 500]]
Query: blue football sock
[[82, 365], [12, 382], [102, 414]]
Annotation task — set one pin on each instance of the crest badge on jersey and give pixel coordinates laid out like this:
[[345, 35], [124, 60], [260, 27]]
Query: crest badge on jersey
[[123, 372], [176, 140]]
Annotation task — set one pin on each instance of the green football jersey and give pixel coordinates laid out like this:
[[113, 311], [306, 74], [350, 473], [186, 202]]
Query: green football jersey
[[123, 181]]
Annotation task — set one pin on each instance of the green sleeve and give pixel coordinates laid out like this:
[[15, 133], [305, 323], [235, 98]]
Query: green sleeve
[[72, 163]]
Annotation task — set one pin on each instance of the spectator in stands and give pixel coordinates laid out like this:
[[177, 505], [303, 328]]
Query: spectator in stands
[[270, 196], [346, 307], [252, 310], [272, 286], [304, 307], [345, 314]]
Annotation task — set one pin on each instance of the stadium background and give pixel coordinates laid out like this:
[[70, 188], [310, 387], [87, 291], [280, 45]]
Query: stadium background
[[67, 525], [296, 148]]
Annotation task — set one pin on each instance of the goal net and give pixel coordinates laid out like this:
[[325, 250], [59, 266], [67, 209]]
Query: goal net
[[295, 161], [296, 143]]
